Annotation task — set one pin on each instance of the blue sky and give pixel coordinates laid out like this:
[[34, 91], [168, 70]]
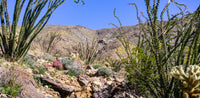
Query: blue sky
[[97, 14]]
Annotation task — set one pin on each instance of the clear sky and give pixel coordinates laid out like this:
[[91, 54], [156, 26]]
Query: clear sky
[[97, 14]]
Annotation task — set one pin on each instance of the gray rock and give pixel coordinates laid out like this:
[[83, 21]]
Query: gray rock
[[3, 96], [63, 89], [83, 80]]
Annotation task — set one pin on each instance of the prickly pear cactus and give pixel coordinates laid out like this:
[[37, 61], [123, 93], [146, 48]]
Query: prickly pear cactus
[[190, 80]]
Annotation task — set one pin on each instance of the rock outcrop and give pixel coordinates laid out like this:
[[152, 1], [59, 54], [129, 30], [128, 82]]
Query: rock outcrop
[[23, 78]]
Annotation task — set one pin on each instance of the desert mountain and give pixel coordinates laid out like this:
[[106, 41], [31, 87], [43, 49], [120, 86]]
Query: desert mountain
[[70, 36]]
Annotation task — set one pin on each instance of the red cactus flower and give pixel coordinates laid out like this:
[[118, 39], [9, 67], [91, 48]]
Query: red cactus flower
[[57, 64], [141, 12]]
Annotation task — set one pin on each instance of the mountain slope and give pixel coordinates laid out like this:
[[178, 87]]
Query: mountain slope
[[70, 36]]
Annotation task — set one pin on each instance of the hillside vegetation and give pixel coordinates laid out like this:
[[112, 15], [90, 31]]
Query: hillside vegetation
[[154, 59]]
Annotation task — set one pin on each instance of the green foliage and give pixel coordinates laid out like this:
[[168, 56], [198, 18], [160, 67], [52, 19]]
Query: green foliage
[[161, 45], [31, 64], [28, 60], [74, 71], [15, 44], [37, 80], [71, 73], [48, 57], [88, 52], [139, 69], [11, 88], [115, 64], [68, 64], [104, 71], [41, 69], [66, 61], [97, 66]]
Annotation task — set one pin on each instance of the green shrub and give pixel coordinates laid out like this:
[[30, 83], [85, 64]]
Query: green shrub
[[68, 64], [115, 64], [97, 66], [48, 57], [76, 70], [71, 73], [11, 88], [28, 60], [144, 64], [37, 80], [66, 61], [104, 71], [41, 69]]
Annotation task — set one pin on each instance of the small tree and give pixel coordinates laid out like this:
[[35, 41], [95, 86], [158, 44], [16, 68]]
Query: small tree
[[14, 45]]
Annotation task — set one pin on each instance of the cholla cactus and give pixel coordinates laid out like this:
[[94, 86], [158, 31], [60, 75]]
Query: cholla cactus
[[190, 80]]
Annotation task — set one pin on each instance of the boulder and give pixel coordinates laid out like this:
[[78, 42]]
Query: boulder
[[90, 71], [83, 81], [21, 77], [3, 96], [63, 89]]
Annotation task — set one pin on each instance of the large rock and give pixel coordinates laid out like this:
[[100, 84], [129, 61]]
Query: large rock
[[63, 89], [21, 77], [90, 71], [83, 80]]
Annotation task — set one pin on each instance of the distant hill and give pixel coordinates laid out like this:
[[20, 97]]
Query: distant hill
[[71, 35]]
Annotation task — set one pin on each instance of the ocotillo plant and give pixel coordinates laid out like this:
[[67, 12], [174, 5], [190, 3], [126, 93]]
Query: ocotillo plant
[[32, 24], [166, 42], [88, 52], [48, 41]]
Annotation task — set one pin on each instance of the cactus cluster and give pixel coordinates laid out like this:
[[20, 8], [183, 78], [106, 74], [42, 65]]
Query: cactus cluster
[[189, 80]]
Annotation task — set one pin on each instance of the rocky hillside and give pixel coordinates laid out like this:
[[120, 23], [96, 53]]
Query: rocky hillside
[[41, 75], [70, 36]]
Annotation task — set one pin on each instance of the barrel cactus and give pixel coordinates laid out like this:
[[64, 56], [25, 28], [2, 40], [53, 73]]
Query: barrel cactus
[[189, 80]]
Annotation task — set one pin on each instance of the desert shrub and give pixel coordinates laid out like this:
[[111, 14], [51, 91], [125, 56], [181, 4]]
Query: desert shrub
[[48, 57], [11, 88], [28, 60], [31, 64], [141, 63], [65, 61], [68, 64], [88, 52], [48, 41], [104, 71], [37, 80], [74, 71], [116, 65], [97, 66], [41, 69], [71, 73]]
